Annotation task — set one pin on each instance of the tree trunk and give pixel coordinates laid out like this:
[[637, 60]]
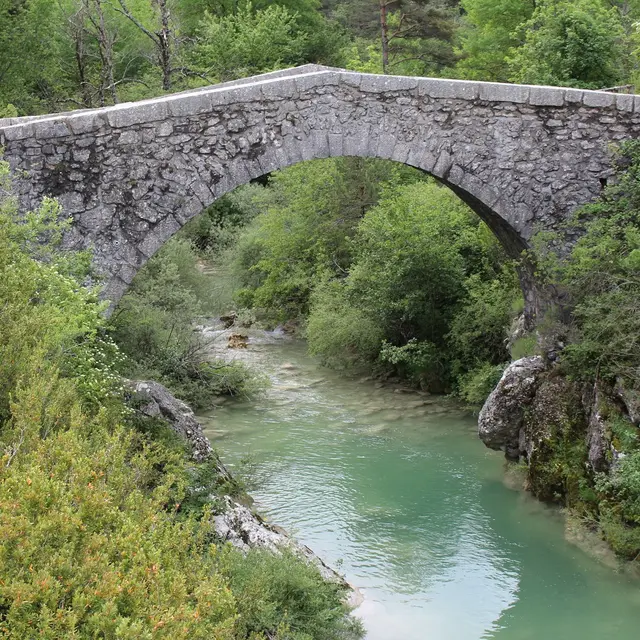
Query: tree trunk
[[164, 44], [384, 34]]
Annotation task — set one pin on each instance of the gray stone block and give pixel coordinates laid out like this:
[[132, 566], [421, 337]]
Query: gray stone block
[[496, 92], [598, 99], [546, 96]]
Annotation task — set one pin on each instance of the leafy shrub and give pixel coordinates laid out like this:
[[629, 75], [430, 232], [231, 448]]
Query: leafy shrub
[[428, 278], [154, 326], [287, 598], [310, 214], [338, 332], [218, 226], [475, 386]]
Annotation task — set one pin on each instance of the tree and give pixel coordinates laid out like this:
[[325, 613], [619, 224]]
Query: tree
[[487, 34], [161, 31], [570, 44], [248, 43], [415, 36]]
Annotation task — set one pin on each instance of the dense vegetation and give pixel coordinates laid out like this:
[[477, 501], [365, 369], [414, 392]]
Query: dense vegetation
[[104, 532], [382, 268], [84, 53]]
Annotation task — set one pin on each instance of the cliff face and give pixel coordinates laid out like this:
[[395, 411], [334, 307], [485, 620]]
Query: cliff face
[[534, 407], [567, 433]]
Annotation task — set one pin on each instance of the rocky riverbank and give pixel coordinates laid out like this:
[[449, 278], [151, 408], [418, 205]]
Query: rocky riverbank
[[235, 522], [571, 436]]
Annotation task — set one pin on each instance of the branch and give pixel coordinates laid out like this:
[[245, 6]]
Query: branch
[[124, 10]]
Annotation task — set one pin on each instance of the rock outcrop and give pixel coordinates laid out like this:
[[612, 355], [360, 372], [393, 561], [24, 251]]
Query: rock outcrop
[[156, 401], [246, 530], [236, 524], [502, 417]]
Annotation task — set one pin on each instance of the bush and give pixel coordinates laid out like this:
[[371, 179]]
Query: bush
[[340, 333], [427, 284], [475, 386], [287, 598], [154, 325]]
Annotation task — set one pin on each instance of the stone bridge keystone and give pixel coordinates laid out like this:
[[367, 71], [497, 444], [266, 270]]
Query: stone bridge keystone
[[522, 157]]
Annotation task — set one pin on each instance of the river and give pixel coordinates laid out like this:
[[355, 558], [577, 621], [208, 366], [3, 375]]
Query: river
[[396, 491]]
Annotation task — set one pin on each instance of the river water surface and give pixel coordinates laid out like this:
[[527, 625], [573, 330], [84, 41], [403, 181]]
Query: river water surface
[[398, 493]]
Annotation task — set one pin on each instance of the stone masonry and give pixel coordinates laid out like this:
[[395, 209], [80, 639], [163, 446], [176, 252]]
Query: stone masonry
[[523, 157]]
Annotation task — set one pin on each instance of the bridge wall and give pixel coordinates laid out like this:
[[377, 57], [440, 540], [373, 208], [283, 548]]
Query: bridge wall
[[522, 157]]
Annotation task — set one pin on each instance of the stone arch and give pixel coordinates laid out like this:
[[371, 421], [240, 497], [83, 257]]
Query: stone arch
[[132, 175]]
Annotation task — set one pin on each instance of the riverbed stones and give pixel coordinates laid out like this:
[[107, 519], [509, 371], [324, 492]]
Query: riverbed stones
[[131, 175]]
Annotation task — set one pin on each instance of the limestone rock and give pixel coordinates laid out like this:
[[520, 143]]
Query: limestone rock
[[245, 531], [502, 415], [630, 398], [597, 441], [156, 401]]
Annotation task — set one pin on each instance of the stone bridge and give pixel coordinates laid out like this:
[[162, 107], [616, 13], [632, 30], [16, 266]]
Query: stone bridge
[[522, 157]]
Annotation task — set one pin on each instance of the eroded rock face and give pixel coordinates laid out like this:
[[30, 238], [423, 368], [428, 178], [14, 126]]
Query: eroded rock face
[[598, 443], [502, 416], [630, 398], [156, 401], [245, 531]]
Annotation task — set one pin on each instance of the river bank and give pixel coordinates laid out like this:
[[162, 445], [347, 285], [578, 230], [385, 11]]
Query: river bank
[[396, 491]]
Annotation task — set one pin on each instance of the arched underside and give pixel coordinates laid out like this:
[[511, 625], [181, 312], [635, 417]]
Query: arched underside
[[132, 175]]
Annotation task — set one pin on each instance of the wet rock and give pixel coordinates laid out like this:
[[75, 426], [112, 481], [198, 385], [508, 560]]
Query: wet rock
[[501, 418], [229, 319], [238, 341]]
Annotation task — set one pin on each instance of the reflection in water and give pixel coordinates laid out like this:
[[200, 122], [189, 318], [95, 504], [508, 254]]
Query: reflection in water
[[397, 491]]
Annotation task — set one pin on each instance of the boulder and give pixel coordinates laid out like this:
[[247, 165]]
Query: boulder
[[502, 415]]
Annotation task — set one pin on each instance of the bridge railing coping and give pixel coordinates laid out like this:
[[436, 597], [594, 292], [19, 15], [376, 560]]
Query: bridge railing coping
[[281, 73], [289, 83]]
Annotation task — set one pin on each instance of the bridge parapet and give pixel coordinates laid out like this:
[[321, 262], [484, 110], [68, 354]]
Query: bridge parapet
[[523, 157]]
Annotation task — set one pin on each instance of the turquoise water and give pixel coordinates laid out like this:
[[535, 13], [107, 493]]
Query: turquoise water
[[396, 491]]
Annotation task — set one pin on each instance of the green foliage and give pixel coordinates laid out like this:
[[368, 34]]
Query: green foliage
[[574, 44], [475, 386], [487, 35], [600, 276], [154, 327], [620, 505], [340, 333], [311, 212], [287, 597], [248, 43], [524, 347], [420, 33], [426, 286], [218, 226]]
